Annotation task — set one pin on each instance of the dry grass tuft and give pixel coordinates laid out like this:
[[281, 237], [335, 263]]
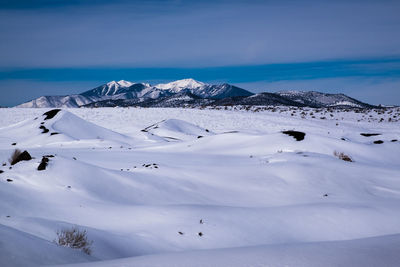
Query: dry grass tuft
[[343, 156], [74, 238]]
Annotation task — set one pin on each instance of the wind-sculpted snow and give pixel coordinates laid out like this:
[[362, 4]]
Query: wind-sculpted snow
[[62, 126], [173, 129], [191, 187]]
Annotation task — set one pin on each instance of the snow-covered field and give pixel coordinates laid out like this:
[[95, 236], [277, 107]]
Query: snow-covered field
[[191, 187]]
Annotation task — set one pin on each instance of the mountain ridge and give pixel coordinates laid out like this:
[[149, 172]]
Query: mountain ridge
[[188, 92]]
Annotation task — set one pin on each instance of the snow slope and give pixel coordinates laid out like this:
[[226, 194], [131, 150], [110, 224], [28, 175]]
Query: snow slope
[[21, 249], [243, 193], [64, 128], [176, 130], [380, 251]]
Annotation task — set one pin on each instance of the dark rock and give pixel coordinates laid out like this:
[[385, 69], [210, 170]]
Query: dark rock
[[369, 134], [51, 113], [14, 144], [43, 164], [378, 142], [23, 156], [9, 180], [1, 171], [394, 140], [295, 134], [44, 129], [54, 133]]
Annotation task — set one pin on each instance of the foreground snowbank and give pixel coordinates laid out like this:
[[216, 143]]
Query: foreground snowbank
[[378, 251], [243, 183]]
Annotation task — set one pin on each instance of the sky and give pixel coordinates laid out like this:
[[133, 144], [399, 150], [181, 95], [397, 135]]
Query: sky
[[59, 47]]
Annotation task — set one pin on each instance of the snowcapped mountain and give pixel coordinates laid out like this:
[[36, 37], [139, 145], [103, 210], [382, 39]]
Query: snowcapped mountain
[[137, 92], [112, 90], [188, 92]]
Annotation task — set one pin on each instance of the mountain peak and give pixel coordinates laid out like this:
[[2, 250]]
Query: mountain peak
[[124, 83], [181, 84], [111, 83], [121, 83]]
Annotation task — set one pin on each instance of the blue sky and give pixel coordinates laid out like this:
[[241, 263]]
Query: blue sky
[[62, 47]]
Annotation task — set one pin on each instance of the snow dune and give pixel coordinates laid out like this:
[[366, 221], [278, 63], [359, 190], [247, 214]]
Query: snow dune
[[63, 127], [176, 130]]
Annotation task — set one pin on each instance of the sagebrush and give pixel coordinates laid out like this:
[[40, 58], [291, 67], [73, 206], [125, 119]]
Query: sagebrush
[[343, 156], [14, 156], [74, 238]]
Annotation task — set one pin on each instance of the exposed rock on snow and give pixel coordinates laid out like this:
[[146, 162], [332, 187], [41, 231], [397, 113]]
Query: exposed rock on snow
[[369, 134], [295, 134], [51, 113], [18, 156]]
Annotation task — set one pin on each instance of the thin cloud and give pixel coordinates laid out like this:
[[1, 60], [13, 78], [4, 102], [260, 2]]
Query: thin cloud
[[175, 33]]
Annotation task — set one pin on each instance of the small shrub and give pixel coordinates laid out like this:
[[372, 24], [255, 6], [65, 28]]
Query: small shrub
[[74, 238], [14, 156], [343, 156]]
